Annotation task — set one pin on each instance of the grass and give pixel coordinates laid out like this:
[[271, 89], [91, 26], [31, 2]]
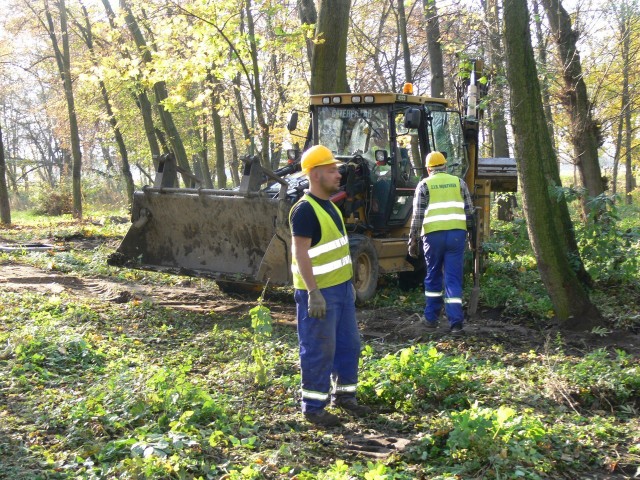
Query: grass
[[93, 389]]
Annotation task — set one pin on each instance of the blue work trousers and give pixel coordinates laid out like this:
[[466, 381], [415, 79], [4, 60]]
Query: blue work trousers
[[329, 347], [444, 255]]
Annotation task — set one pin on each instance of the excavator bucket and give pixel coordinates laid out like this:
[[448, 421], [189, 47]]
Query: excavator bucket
[[236, 236]]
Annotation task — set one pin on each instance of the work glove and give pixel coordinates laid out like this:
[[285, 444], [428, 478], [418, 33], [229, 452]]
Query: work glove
[[317, 304], [413, 247]]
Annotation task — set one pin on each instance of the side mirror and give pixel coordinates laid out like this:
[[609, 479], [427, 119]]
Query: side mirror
[[412, 118], [382, 157], [292, 124], [292, 155]]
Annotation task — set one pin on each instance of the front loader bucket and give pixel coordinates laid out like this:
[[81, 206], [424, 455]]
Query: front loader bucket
[[218, 234]]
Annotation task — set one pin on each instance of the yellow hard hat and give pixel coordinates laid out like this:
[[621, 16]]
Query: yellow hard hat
[[435, 159], [316, 156]]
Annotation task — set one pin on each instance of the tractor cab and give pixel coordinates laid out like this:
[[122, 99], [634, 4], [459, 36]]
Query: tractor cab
[[383, 139]]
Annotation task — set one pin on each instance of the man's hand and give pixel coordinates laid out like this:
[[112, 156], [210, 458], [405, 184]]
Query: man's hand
[[353, 290], [317, 304], [413, 247]]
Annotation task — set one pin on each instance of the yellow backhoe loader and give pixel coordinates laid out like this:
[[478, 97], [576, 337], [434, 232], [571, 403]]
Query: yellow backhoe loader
[[241, 238]]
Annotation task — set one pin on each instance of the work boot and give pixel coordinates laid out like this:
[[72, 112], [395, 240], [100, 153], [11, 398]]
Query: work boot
[[350, 406], [457, 330], [323, 419], [430, 325]]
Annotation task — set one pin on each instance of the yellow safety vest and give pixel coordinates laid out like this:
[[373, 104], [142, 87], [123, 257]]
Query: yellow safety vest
[[446, 205], [330, 257]]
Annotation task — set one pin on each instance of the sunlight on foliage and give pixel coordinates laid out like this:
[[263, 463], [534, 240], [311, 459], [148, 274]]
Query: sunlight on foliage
[[261, 324], [415, 377]]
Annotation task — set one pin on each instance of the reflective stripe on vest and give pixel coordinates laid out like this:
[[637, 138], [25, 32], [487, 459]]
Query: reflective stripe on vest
[[330, 257], [446, 205]]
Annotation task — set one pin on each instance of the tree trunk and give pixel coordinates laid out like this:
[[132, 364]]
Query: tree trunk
[[402, 29], [203, 154], [309, 16], [146, 111], [218, 135], [329, 59], [377, 39], [537, 170], [616, 154], [160, 90], [257, 89], [221, 175], [500, 141], [275, 148], [5, 208], [63, 60], [141, 100], [242, 118], [122, 148], [625, 32], [585, 131], [629, 184], [435, 48], [8, 142], [233, 165], [541, 42]]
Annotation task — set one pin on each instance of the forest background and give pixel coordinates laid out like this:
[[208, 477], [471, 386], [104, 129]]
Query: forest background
[[214, 81]]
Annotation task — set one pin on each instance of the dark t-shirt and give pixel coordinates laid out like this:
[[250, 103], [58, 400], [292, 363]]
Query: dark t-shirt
[[305, 223]]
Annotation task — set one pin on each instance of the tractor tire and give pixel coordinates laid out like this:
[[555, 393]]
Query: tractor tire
[[365, 267]]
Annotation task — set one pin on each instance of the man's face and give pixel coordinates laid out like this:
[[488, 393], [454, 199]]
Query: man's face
[[328, 178]]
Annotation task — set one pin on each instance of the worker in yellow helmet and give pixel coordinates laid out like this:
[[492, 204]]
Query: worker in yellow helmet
[[442, 214], [325, 296]]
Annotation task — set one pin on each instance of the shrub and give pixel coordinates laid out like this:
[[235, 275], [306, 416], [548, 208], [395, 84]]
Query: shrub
[[599, 380], [415, 377], [490, 443], [608, 250], [54, 201]]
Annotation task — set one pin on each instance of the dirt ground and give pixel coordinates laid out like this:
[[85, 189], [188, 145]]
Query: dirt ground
[[399, 325], [385, 324]]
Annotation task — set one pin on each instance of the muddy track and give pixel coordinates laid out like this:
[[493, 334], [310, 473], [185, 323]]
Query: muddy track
[[389, 324], [18, 277]]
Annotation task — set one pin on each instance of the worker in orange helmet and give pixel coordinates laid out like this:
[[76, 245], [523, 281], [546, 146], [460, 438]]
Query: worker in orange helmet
[[325, 296], [442, 214]]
